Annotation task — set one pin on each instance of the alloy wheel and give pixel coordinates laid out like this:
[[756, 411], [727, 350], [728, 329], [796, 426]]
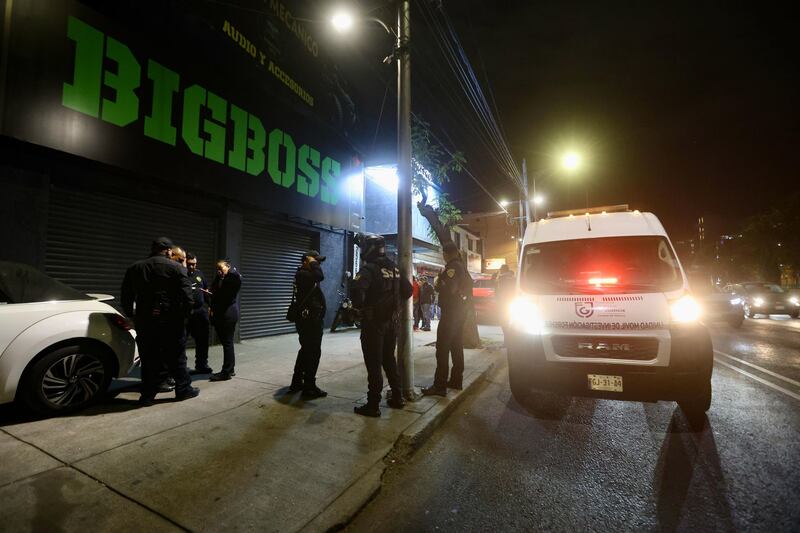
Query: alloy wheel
[[73, 379]]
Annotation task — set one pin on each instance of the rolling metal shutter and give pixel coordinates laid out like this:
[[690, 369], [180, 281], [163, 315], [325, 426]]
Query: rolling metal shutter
[[93, 238], [270, 256]]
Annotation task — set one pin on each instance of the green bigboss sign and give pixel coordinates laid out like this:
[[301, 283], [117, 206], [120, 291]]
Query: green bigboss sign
[[93, 93]]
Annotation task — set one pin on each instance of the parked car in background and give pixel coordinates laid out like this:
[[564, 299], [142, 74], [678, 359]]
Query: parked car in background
[[59, 348], [718, 306], [760, 298], [483, 297]]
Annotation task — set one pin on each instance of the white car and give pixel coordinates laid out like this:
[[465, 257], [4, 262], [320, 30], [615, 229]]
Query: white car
[[604, 310], [59, 348]]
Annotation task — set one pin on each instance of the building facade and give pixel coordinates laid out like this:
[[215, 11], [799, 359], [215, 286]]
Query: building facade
[[121, 122]]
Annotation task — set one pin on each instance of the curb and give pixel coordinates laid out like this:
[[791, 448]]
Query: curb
[[355, 497]]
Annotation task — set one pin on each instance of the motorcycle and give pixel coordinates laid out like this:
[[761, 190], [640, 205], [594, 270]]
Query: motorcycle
[[346, 315]]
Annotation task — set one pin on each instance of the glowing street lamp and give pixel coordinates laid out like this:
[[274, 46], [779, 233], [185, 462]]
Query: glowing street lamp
[[342, 21], [572, 161]]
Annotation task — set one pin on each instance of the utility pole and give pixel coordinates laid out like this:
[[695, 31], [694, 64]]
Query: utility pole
[[404, 199], [528, 197]]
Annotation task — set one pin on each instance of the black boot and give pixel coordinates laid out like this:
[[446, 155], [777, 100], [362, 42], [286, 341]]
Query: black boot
[[396, 400], [367, 409]]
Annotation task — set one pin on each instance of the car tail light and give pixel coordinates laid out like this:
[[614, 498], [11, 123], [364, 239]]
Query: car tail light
[[122, 322]]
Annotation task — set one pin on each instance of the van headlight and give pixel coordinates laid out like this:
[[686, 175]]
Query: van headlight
[[685, 310], [524, 316], [794, 300]]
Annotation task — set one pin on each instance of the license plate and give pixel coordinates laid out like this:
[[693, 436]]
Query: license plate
[[606, 383]]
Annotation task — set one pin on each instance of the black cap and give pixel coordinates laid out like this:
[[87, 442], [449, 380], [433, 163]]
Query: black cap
[[161, 243], [315, 255]]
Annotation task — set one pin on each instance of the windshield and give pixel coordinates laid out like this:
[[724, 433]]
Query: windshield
[[21, 284], [608, 264], [762, 287]]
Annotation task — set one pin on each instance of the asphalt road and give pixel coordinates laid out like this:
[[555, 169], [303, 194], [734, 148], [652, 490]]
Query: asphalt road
[[581, 464]]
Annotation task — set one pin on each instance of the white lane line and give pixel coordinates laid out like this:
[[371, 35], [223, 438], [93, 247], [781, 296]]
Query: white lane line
[[760, 369], [760, 380]]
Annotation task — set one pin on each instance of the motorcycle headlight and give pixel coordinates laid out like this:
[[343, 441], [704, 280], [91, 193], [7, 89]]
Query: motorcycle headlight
[[685, 310], [758, 302], [736, 301], [524, 316]]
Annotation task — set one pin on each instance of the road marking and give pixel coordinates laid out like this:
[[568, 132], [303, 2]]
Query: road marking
[[760, 380], [764, 370]]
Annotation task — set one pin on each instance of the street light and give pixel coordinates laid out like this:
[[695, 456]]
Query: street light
[[572, 161], [402, 54]]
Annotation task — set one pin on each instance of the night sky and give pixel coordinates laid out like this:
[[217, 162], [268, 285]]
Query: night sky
[[682, 109]]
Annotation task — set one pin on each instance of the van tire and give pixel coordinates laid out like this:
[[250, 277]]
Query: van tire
[[695, 408], [518, 381]]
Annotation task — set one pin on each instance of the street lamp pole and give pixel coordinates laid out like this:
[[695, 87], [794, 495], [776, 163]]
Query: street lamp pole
[[404, 198]]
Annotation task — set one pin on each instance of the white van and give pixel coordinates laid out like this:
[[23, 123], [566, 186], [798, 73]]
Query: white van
[[603, 310]]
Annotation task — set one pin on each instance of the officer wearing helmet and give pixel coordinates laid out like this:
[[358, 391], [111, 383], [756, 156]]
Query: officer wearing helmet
[[377, 292]]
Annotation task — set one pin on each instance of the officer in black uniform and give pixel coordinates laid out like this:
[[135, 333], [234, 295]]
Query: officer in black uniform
[[198, 326], [157, 293], [454, 285], [377, 292], [312, 305]]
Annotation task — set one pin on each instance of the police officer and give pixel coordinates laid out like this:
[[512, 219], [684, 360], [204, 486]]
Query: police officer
[[312, 305], [156, 292], [198, 325], [454, 285], [377, 292]]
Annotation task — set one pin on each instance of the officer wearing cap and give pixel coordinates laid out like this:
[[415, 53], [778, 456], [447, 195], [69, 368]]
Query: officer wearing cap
[[377, 292], [157, 294], [454, 286], [311, 314], [198, 326]]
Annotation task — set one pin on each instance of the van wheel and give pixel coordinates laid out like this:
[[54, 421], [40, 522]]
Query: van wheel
[[67, 379], [794, 314], [518, 382], [695, 408]]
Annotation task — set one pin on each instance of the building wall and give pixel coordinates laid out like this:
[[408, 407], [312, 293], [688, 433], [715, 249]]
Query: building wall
[[500, 239]]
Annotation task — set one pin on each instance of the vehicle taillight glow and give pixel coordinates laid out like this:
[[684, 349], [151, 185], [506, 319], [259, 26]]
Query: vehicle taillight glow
[[603, 281], [122, 322]]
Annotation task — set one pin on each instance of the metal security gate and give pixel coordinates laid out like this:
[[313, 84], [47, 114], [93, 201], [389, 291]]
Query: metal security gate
[[270, 256], [92, 238]]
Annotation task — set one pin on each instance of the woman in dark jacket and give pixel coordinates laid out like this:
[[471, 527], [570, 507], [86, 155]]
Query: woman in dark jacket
[[224, 312]]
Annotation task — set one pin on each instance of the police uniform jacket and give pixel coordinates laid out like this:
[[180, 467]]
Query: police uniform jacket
[[307, 280], [454, 285], [378, 289], [156, 290], [224, 301], [198, 282]]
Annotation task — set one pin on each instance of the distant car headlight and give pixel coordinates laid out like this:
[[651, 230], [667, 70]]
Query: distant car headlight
[[525, 316], [736, 301], [794, 300], [758, 302], [685, 310]]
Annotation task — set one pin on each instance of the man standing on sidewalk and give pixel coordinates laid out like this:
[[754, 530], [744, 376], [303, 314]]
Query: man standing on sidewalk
[[157, 294], [455, 290], [312, 306], [198, 326], [426, 297], [377, 293]]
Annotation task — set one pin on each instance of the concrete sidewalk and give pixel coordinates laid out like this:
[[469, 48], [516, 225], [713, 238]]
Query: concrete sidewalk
[[245, 455]]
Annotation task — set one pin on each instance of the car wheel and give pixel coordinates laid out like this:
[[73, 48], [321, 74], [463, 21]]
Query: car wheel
[[67, 379], [696, 407]]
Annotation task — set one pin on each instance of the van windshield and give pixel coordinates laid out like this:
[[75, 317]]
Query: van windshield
[[607, 264]]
